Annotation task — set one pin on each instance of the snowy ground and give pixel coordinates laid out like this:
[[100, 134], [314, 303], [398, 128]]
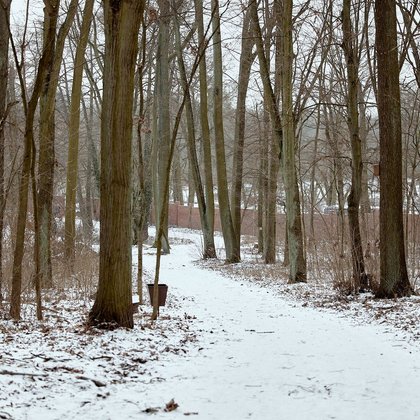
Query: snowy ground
[[224, 348]]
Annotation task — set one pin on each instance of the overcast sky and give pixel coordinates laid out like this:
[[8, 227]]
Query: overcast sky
[[19, 8]]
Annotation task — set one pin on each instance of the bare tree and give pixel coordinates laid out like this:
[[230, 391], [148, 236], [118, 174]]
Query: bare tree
[[297, 267], [204, 125], [352, 60], [163, 133], [28, 163], [394, 277], [276, 139], [4, 64], [113, 301], [231, 245], [245, 63], [74, 128], [208, 239]]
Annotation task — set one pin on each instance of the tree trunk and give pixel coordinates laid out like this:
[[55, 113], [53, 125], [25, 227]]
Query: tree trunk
[[46, 162], [163, 124], [74, 128], [28, 164], [113, 301], [297, 263], [245, 64], [4, 64], [394, 280], [177, 178], [209, 250], [144, 149], [274, 155], [204, 124], [262, 178], [359, 275], [365, 206], [228, 230]]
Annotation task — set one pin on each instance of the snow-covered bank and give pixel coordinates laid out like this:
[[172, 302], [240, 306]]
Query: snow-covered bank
[[223, 349]]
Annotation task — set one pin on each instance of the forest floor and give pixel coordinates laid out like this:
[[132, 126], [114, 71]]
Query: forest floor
[[232, 343]]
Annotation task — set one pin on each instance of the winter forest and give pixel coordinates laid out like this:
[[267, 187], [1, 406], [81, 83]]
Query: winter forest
[[209, 209]]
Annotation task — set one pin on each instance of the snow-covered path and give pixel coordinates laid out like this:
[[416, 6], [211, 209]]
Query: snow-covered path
[[257, 356], [265, 359]]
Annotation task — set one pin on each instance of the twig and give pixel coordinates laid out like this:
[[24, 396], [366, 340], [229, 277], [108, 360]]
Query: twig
[[10, 372]]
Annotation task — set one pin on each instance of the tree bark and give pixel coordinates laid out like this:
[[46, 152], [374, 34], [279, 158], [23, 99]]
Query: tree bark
[[245, 64], [353, 201], [28, 164], [208, 251], [394, 280], [113, 303], [163, 123], [4, 64], [297, 263], [228, 230], [74, 128], [205, 128], [46, 163], [274, 156]]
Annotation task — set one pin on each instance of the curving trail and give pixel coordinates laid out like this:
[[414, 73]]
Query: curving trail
[[257, 356], [262, 358]]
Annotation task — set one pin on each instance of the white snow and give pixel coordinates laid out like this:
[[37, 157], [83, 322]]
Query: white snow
[[222, 349]]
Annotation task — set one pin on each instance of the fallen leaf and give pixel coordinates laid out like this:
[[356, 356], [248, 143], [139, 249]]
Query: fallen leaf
[[171, 406]]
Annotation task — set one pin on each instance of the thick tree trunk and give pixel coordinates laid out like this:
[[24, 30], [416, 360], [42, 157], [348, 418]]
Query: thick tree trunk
[[113, 301], [394, 278]]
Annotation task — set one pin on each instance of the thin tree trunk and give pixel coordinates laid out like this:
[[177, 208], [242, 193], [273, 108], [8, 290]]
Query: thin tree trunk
[[46, 162], [276, 140], [4, 64], [297, 263], [231, 246], [74, 128], [163, 124], [205, 129], [245, 64], [208, 251], [262, 179], [353, 201], [28, 164], [144, 148], [365, 206]]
